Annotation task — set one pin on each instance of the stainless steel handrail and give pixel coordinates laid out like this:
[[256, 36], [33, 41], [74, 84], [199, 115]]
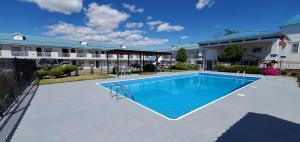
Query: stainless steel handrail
[[123, 88]]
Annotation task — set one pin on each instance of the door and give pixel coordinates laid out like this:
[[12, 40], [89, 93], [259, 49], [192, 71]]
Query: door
[[97, 64], [209, 65]]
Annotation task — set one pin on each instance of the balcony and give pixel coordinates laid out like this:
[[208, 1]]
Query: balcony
[[80, 55], [98, 55], [19, 53], [64, 54], [44, 54]]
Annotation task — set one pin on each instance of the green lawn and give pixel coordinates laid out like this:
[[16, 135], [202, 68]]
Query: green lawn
[[74, 78]]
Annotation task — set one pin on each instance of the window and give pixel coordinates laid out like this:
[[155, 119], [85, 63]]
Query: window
[[295, 48], [257, 50]]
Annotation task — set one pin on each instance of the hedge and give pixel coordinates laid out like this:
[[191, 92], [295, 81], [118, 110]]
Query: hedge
[[57, 71], [236, 68], [41, 73], [69, 68], [182, 66]]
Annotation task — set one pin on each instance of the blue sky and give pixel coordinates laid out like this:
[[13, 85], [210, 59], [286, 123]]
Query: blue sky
[[143, 22]]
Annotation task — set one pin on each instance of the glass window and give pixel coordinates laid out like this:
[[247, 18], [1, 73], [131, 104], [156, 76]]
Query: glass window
[[295, 48]]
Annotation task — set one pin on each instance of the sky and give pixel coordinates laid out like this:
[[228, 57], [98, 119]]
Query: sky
[[142, 22]]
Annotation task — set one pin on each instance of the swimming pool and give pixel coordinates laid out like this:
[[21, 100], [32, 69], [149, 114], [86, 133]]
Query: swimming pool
[[175, 96]]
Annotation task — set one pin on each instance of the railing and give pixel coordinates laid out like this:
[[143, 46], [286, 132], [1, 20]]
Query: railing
[[98, 55], [44, 54], [64, 54], [19, 53], [123, 89], [80, 55]]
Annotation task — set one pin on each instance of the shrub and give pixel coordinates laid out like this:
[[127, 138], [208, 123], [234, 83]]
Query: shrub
[[69, 68], [149, 68], [182, 66], [57, 71], [241, 68], [41, 73], [283, 72], [293, 73]]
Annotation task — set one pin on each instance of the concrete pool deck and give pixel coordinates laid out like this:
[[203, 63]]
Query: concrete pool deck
[[82, 111]]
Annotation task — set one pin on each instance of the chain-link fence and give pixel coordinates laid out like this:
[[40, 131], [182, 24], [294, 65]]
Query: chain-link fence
[[15, 76]]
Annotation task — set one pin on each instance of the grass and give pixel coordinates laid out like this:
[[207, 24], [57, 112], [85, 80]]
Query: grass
[[73, 78], [148, 73]]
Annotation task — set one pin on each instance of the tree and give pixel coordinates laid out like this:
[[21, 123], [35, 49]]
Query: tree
[[181, 55], [231, 54]]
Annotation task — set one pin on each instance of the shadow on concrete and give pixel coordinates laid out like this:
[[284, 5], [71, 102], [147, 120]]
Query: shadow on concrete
[[255, 127], [10, 121]]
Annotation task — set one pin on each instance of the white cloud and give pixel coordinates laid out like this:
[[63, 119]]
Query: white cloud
[[104, 18], [101, 25], [133, 8], [149, 18], [161, 26], [184, 37], [127, 37], [61, 6], [134, 25], [202, 3], [166, 27], [153, 24], [217, 26]]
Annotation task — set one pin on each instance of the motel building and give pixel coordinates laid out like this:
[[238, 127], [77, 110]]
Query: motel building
[[260, 46], [53, 51]]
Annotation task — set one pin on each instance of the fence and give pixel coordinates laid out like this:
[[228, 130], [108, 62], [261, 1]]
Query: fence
[[15, 76], [289, 65]]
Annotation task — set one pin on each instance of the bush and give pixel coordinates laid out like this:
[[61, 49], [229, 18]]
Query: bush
[[149, 68], [293, 73], [241, 68], [182, 66], [41, 73], [283, 72], [67, 69], [57, 71]]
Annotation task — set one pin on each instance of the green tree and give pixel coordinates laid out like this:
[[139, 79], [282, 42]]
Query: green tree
[[181, 55], [231, 54]]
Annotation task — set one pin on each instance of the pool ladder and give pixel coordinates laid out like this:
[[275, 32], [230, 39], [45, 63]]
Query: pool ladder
[[123, 89], [240, 76]]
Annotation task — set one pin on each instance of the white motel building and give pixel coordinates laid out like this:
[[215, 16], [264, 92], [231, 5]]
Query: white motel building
[[260, 47]]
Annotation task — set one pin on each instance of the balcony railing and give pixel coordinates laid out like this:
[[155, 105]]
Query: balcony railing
[[64, 54], [80, 55], [44, 54], [98, 56], [19, 53]]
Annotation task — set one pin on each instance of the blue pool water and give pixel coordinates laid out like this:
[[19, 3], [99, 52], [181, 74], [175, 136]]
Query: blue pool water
[[176, 95]]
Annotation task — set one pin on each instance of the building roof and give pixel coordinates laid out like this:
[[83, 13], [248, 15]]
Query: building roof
[[244, 35], [6, 38], [292, 21]]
